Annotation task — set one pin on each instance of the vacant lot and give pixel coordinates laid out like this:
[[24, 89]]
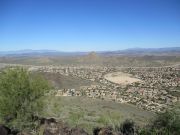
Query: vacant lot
[[89, 113], [121, 78], [66, 82]]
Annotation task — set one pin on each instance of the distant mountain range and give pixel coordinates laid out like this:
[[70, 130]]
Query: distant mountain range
[[146, 51], [30, 52], [131, 51]]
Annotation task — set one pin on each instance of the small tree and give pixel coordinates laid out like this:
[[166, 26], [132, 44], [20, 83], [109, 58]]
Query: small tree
[[21, 95]]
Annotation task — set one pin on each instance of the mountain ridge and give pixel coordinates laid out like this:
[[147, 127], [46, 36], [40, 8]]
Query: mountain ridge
[[130, 51]]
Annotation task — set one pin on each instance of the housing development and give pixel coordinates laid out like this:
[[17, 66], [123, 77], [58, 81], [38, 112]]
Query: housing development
[[149, 88]]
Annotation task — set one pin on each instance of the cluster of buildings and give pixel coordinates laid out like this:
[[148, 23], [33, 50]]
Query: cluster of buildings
[[159, 88], [154, 92]]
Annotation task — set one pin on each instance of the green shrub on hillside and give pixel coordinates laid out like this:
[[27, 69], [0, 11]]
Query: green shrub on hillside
[[167, 123], [20, 96]]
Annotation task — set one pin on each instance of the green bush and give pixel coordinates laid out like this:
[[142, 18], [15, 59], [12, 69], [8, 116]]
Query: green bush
[[167, 123], [21, 95]]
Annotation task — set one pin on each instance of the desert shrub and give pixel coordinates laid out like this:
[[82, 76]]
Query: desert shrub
[[167, 123], [103, 119], [21, 95], [75, 117], [127, 127]]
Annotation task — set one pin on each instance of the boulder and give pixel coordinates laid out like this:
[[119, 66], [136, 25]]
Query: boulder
[[4, 130]]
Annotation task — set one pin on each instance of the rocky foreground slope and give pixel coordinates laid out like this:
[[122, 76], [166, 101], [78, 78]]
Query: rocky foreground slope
[[52, 127]]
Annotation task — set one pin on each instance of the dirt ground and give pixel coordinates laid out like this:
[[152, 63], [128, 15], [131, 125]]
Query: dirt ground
[[121, 78]]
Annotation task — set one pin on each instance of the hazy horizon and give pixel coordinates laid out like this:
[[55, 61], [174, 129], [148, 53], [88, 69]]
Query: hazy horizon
[[53, 50]]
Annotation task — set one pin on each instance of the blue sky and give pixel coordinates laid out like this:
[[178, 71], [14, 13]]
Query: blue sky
[[86, 25]]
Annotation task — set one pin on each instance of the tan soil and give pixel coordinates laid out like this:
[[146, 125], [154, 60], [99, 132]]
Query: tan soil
[[121, 78]]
